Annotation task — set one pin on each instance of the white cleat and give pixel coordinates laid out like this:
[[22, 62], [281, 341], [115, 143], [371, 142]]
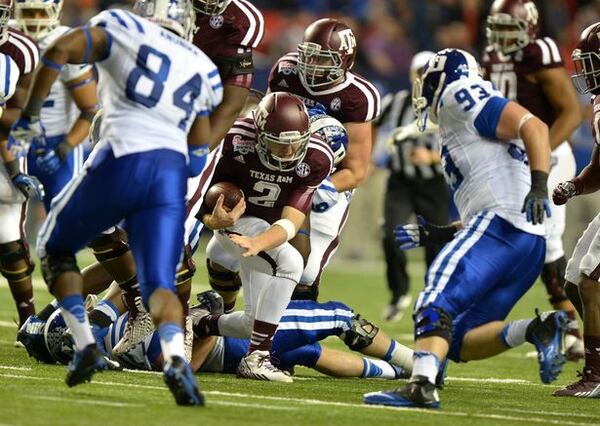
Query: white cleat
[[189, 338], [257, 365], [136, 330]]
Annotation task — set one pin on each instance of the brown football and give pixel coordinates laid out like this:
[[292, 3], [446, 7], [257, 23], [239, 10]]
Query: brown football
[[233, 194]]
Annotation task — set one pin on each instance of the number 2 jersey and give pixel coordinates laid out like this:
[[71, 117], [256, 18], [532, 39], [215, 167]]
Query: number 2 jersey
[[153, 84], [268, 191], [485, 173]]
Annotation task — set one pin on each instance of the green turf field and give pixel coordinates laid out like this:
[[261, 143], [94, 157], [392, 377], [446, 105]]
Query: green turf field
[[503, 390]]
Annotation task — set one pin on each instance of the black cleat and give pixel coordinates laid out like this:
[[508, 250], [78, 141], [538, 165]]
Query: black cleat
[[84, 364], [418, 392], [181, 382]]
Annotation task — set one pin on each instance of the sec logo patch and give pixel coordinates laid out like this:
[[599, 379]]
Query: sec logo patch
[[335, 104], [216, 22], [302, 170]]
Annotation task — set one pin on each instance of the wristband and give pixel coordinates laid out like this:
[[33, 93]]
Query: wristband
[[539, 180], [63, 150], [12, 167], [288, 227], [33, 107], [578, 185]]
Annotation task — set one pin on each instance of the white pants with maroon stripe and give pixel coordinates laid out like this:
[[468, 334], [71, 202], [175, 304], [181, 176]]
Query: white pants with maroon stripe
[[563, 168], [586, 256], [12, 209], [268, 279], [325, 229]]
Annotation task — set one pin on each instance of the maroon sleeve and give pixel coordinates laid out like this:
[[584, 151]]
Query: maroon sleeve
[[542, 54], [301, 198]]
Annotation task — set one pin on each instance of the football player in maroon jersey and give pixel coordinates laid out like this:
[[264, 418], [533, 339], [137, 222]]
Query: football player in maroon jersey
[[529, 69], [16, 264], [583, 269], [278, 165]]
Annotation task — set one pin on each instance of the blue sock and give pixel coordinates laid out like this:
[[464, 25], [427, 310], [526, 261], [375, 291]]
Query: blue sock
[[171, 340], [73, 312]]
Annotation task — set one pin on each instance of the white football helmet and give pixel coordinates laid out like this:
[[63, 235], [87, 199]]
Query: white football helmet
[[175, 15], [37, 18]]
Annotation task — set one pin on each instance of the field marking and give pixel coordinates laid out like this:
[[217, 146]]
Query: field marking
[[305, 401], [248, 405], [10, 367], [8, 324], [546, 413], [86, 401], [493, 380]]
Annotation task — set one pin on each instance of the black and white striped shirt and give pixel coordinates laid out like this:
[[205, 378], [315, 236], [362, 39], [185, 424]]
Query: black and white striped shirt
[[396, 111]]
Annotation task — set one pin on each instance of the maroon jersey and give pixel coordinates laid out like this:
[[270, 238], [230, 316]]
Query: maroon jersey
[[228, 39], [354, 100], [268, 191], [509, 74], [596, 119], [22, 49]]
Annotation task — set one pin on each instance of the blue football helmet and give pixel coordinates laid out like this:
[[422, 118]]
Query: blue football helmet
[[332, 132], [445, 67], [58, 339]]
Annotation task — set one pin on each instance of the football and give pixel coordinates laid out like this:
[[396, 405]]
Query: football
[[233, 194]]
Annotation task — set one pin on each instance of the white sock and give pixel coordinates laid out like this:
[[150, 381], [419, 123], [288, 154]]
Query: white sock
[[425, 364], [513, 333], [379, 368], [274, 299], [399, 355], [73, 312], [171, 340]]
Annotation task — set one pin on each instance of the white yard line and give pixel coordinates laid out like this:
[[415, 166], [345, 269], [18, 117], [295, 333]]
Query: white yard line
[[492, 380], [9, 367], [260, 406], [86, 401], [304, 401], [547, 413], [8, 324]]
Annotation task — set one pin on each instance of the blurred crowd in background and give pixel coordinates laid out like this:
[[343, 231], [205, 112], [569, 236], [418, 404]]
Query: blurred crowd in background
[[389, 33]]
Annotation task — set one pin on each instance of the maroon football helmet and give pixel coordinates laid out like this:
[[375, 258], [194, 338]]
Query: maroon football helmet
[[327, 51], [512, 24], [283, 131], [6, 7], [586, 58], [210, 7]]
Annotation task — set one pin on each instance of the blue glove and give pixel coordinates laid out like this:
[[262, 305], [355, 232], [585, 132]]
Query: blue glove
[[317, 109], [30, 186], [414, 235], [50, 160], [536, 202], [197, 155], [23, 133]]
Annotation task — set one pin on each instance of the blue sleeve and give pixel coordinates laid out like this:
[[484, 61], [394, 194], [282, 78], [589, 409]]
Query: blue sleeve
[[487, 119]]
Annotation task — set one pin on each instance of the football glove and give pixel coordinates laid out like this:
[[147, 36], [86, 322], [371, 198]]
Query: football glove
[[50, 160], [317, 109], [30, 186], [422, 234], [536, 202], [197, 159], [566, 190], [22, 133]]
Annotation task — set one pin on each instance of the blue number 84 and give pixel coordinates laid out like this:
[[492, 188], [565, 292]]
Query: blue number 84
[[183, 97]]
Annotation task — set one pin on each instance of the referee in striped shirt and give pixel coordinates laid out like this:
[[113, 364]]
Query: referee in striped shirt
[[415, 184]]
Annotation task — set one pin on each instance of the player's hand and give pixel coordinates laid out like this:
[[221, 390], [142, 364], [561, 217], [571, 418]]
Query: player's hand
[[406, 132], [249, 245], [222, 217], [23, 133], [30, 186], [317, 109], [50, 160], [414, 235], [564, 191], [197, 158], [536, 202], [421, 156]]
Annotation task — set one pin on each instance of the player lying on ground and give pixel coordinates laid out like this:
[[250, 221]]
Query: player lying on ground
[[583, 269], [496, 158], [303, 325]]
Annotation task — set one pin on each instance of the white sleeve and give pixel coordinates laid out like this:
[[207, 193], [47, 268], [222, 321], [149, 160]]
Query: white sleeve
[[71, 72], [10, 71], [212, 91]]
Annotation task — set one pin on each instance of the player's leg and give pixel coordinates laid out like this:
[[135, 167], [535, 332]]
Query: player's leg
[[223, 273], [343, 364], [397, 209], [16, 264]]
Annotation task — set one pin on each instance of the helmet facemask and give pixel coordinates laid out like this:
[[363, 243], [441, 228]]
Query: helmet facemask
[[175, 15], [282, 152], [318, 67], [5, 15], [507, 34], [587, 71], [37, 18], [210, 7]]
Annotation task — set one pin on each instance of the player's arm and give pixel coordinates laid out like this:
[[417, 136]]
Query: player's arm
[[356, 163], [201, 348], [83, 93], [587, 182], [280, 232], [222, 118], [198, 147], [15, 104], [557, 87]]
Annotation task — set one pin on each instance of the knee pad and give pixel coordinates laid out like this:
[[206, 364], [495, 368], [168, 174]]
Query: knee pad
[[10, 255], [54, 265], [553, 278], [360, 335], [110, 246], [433, 321], [222, 280], [188, 266]]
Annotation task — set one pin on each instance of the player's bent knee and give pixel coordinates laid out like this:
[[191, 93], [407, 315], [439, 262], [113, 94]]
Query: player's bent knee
[[15, 261], [222, 279], [110, 246], [289, 263], [54, 265], [188, 266], [552, 277], [589, 290], [361, 333], [432, 321]]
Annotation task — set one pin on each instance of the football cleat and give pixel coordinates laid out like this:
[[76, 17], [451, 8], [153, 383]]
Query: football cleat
[[418, 392], [257, 365], [587, 387], [547, 333], [440, 378], [31, 336], [137, 328], [84, 364], [180, 379], [395, 311]]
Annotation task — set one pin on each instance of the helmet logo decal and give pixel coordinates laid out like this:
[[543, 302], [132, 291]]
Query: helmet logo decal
[[347, 41]]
